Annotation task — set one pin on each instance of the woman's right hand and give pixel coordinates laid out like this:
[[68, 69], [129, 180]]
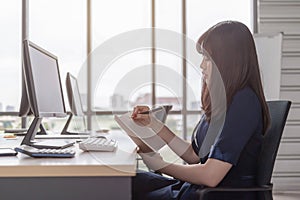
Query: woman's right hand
[[143, 119], [148, 119]]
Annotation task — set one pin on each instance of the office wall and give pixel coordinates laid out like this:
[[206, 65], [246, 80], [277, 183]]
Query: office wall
[[284, 16]]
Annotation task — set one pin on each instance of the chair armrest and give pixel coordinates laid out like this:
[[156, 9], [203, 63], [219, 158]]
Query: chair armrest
[[204, 191]]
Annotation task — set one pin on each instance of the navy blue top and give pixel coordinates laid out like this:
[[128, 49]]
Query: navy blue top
[[240, 140], [239, 143]]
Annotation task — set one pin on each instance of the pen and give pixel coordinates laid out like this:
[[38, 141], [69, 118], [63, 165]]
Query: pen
[[153, 110]]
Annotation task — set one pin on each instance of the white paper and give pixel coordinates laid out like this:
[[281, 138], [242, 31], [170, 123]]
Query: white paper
[[135, 131]]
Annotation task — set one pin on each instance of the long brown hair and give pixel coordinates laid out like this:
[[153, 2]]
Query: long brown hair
[[231, 47]]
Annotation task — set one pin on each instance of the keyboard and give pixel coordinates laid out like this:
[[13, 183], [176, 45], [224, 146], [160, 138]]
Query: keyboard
[[46, 153], [98, 144]]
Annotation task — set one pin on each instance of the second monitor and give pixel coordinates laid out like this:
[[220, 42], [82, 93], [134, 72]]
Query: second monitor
[[76, 107], [75, 104]]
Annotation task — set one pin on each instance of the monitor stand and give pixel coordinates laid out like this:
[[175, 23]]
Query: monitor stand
[[65, 129], [53, 144], [23, 131], [42, 130]]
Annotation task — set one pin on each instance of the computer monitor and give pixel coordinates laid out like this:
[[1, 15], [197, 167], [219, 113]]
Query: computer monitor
[[75, 104], [43, 82], [43, 87], [74, 95], [24, 109]]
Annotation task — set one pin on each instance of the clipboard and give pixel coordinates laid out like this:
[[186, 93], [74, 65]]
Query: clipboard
[[144, 137]]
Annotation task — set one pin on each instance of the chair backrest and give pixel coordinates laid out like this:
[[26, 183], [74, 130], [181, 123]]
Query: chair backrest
[[278, 113]]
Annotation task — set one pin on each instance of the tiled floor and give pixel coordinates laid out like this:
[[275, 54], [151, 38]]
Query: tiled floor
[[287, 196]]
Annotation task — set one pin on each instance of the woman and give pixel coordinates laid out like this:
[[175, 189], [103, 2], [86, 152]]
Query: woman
[[229, 50]]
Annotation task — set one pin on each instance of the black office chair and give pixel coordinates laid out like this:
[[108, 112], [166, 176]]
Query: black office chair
[[278, 113]]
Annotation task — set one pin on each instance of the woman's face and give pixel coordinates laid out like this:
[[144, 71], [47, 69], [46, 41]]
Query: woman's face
[[206, 66]]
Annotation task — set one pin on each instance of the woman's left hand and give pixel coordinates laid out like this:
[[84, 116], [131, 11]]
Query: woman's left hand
[[153, 160]]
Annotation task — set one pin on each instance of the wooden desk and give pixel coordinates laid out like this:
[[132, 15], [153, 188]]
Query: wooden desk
[[89, 175]]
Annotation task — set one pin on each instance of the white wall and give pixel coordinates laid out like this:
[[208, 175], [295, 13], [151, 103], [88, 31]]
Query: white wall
[[284, 16]]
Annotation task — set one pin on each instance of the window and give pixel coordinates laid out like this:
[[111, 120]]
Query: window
[[10, 62], [111, 21], [201, 15], [10, 55], [168, 16], [59, 26]]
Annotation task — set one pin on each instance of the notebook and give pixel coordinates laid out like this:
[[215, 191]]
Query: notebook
[[144, 137]]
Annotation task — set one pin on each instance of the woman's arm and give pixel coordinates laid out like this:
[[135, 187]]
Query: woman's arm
[[182, 148], [210, 174]]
